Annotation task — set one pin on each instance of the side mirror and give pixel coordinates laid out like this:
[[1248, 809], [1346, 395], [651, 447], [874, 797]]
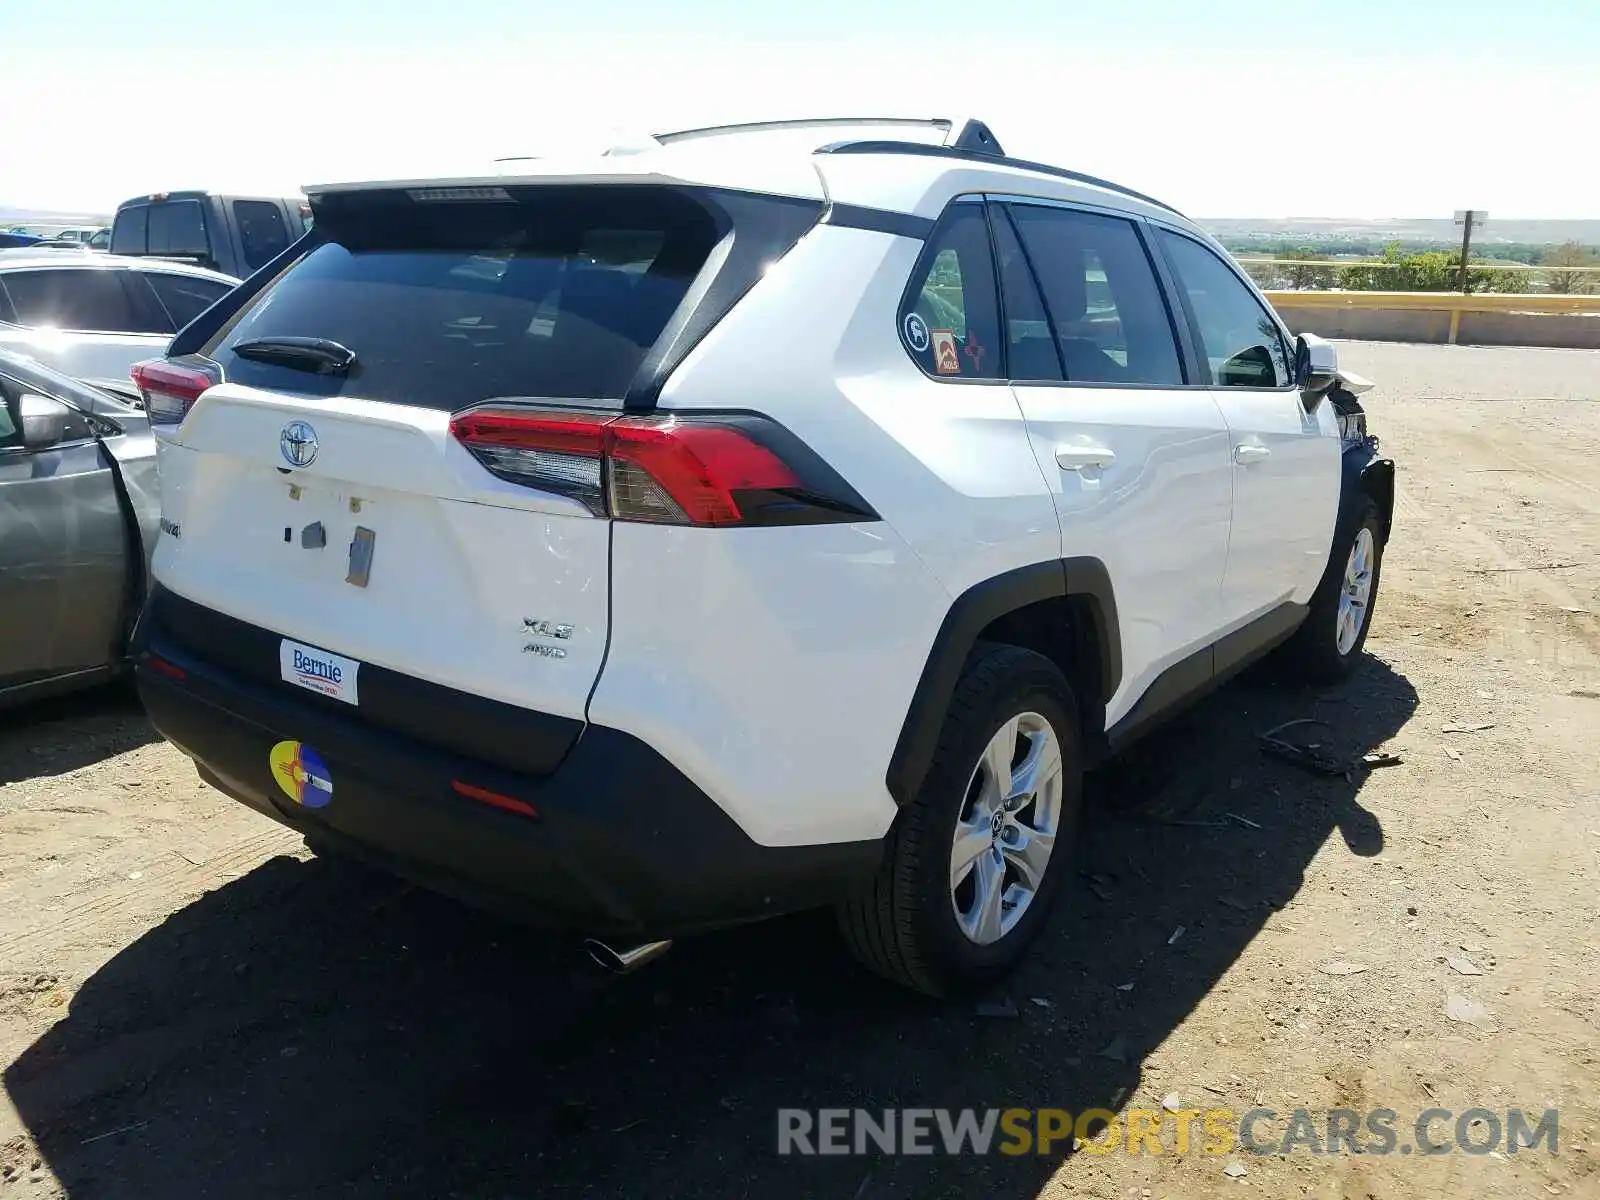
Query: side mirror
[[47, 422], [1316, 363]]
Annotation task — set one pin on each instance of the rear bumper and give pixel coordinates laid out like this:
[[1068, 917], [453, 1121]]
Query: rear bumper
[[623, 844]]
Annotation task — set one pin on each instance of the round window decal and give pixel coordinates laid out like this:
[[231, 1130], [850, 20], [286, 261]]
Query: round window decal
[[916, 330]]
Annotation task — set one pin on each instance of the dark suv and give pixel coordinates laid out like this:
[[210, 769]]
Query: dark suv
[[232, 234]]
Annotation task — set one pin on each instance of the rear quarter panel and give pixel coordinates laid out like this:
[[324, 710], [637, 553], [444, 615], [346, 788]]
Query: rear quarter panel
[[776, 666]]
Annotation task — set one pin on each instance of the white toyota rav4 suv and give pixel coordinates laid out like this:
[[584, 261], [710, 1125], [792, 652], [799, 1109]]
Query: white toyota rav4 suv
[[774, 517]]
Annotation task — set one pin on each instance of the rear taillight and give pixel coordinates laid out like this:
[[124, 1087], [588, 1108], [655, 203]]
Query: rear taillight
[[169, 389], [726, 469]]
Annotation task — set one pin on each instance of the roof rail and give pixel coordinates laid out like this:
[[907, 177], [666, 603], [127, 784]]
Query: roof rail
[[990, 157], [963, 133]]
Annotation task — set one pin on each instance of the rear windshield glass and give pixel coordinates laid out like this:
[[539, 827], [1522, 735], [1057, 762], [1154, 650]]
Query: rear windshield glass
[[550, 291], [178, 228]]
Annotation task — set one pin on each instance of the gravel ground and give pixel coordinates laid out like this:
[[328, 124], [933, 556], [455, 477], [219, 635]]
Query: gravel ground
[[192, 1006]]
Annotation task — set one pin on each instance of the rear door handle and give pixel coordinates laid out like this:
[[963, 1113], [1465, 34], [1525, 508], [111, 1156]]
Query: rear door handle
[[1078, 458], [1250, 454]]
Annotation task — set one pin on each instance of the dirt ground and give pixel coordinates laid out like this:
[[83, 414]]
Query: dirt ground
[[191, 1006]]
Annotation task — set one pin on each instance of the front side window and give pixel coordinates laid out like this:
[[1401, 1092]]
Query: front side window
[[949, 321], [1111, 324], [1237, 335], [70, 299]]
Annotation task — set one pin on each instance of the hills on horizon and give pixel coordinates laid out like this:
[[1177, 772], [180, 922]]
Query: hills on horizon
[[1404, 229], [47, 216], [1267, 229]]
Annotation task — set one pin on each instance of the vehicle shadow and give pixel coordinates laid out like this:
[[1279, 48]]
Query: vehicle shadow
[[54, 736], [312, 1028]]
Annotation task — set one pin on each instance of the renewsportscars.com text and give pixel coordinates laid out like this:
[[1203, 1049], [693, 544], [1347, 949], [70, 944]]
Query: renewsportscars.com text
[[1045, 1131]]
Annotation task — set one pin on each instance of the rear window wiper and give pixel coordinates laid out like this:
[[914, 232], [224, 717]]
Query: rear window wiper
[[299, 353]]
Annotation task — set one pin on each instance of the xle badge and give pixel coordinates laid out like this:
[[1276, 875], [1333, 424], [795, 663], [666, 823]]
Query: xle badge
[[301, 774]]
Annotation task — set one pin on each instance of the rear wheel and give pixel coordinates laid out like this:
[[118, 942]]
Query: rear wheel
[[1327, 647], [973, 862]]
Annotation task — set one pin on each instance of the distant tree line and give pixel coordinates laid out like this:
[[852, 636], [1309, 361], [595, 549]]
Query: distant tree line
[[1400, 267], [1529, 253]]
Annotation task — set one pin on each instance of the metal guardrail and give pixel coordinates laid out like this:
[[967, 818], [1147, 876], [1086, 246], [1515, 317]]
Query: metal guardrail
[[1532, 302], [1520, 305]]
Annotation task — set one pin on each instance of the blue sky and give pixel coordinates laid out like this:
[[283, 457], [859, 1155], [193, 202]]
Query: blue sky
[[1223, 107]]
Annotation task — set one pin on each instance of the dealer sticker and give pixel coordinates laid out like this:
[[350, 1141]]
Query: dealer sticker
[[318, 670]]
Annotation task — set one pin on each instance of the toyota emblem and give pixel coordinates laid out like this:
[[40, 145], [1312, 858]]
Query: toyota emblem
[[298, 442]]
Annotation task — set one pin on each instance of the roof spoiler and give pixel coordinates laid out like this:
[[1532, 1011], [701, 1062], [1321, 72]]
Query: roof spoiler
[[957, 133]]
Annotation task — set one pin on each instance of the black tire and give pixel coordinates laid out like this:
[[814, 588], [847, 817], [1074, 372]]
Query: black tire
[[904, 927], [1313, 654]]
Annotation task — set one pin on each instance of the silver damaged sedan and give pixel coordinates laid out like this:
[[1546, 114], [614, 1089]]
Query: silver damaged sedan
[[79, 515]]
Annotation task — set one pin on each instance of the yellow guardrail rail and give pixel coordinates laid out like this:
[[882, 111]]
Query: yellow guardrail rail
[[1441, 301], [1451, 302]]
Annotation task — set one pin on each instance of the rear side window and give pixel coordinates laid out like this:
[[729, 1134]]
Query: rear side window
[[949, 321], [262, 231], [91, 300], [1111, 323], [549, 292], [183, 296], [1240, 340], [178, 227], [130, 230]]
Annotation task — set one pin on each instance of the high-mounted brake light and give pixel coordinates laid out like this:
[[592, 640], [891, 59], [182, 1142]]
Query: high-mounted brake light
[[709, 470], [458, 195], [169, 389]]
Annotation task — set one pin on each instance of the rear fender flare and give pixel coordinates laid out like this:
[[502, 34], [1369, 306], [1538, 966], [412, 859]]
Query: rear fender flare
[[1083, 579]]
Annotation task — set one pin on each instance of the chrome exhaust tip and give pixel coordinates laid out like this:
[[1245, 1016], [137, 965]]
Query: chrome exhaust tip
[[620, 962]]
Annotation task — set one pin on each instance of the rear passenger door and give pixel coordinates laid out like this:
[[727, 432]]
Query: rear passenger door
[[1285, 460], [1137, 457], [996, 514]]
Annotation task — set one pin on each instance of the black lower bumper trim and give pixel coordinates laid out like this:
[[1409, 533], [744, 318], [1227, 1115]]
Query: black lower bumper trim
[[456, 722], [624, 845]]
